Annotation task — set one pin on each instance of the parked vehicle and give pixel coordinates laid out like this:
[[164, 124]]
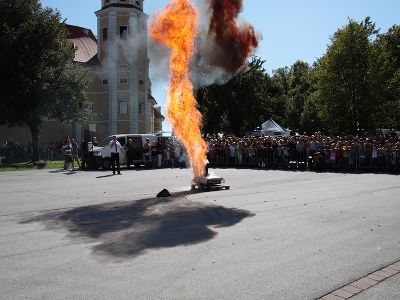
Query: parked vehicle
[[102, 154]]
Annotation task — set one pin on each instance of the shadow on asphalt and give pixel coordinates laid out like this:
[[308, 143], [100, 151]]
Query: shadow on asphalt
[[105, 176], [57, 171], [128, 229], [64, 172], [68, 173]]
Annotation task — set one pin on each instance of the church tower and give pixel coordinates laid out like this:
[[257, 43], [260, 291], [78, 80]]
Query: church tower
[[123, 55]]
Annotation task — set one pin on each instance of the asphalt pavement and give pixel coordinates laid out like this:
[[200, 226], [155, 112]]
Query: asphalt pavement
[[273, 235]]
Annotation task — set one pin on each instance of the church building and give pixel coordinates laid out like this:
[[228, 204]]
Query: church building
[[119, 83]]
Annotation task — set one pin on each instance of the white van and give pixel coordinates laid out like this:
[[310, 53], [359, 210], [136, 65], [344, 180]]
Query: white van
[[102, 153]]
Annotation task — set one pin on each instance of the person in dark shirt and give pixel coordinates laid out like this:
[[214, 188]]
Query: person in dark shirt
[[154, 154], [75, 154], [67, 151], [147, 152], [84, 153], [129, 153], [160, 149], [116, 150]]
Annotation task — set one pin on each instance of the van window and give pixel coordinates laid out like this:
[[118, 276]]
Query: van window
[[121, 140], [105, 142], [137, 142]]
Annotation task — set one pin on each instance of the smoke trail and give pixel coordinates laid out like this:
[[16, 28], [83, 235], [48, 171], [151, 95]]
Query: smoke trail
[[234, 42]]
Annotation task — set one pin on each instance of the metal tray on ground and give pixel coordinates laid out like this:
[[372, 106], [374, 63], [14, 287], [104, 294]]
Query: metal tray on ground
[[209, 183]]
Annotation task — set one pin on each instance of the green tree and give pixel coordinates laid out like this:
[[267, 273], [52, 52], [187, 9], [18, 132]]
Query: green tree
[[300, 89], [211, 100], [385, 78], [345, 102], [241, 104], [279, 94], [39, 79], [310, 120], [249, 105]]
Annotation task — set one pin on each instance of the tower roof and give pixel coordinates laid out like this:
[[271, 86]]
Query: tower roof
[[84, 41]]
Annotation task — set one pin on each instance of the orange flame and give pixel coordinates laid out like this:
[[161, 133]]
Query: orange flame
[[176, 27]]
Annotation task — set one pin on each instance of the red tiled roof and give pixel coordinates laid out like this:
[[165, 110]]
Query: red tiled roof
[[84, 42]]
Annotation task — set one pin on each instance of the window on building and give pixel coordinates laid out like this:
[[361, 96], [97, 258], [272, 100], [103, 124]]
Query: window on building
[[123, 80], [105, 81], [141, 109], [123, 108], [123, 32], [105, 34], [141, 82]]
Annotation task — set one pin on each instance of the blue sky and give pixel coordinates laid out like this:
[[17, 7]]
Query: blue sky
[[291, 29]]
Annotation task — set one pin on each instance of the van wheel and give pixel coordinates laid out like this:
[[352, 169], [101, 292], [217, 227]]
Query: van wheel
[[106, 165]]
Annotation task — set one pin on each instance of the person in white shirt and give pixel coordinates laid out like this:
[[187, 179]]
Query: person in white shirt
[[116, 149]]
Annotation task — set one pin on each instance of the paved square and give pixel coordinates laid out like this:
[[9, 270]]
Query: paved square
[[274, 235]]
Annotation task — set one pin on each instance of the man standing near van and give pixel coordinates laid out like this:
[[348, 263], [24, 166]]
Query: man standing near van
[[115, 148]]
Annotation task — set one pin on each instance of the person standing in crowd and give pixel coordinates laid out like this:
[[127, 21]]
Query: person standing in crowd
[[116, 149], [146, 150], [129, 153], [52, 149], [170, 155], [239, 153], [183, 158], [154, 154], [312, 149], [232, 154], [75, 154], [84, 153], [160, 149], [67, 151], [300, 148]]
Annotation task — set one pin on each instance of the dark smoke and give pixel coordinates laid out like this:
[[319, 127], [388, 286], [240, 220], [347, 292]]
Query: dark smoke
[[234, 42]]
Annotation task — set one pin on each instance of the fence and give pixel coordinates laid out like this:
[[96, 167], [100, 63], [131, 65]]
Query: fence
[[10, 156], [353, 160]]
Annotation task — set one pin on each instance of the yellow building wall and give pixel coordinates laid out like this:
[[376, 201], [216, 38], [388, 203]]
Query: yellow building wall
[[50, 131]]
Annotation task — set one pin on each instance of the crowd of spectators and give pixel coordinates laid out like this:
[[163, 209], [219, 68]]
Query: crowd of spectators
[[315, 152], [307, 152], [168, 152]]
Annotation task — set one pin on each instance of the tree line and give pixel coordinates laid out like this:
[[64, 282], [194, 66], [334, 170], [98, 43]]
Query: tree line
[[353, 87], [38, 77]]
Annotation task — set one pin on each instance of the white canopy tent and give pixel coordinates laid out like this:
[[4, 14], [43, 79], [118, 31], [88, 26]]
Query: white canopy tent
[[271, 128]]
